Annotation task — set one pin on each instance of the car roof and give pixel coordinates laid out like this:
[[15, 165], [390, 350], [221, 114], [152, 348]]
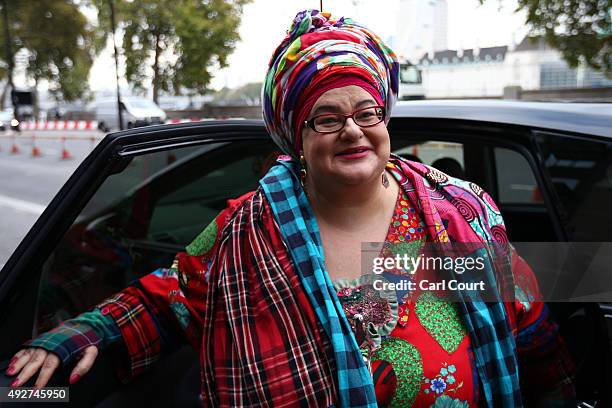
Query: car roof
[[588, 118]]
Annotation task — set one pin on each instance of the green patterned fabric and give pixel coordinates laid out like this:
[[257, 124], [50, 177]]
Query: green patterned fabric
[[408, 366], [205, 241], [441, 320]]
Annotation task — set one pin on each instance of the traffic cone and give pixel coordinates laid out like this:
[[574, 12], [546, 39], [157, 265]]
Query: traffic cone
[[35, 150], [65, 153], [14, 147]]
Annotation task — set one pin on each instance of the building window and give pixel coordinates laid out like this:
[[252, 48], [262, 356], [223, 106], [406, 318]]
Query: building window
[[557, 75], [595, 79]]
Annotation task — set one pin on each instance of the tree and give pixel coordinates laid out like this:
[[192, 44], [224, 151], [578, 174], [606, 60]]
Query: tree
[[175, 43], [61, 46], [580, 29], [58, 41]]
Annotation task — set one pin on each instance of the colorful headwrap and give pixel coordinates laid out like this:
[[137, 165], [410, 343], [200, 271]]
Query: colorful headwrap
[[319, 51]]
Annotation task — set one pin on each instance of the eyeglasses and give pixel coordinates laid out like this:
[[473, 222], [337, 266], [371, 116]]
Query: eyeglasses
[[333, 122]]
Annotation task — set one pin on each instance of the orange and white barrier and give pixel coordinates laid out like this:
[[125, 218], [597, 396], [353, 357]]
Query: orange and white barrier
[[61, 125], [177, 120]]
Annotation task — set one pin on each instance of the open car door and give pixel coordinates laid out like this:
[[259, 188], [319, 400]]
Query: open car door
[[139, 198]]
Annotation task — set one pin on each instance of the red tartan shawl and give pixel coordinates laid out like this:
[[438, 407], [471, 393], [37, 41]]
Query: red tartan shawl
[[262, 344]]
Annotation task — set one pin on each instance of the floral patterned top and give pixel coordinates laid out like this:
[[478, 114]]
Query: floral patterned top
[[421, 351]]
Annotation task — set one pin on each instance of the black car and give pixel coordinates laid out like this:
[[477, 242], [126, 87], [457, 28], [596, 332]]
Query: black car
[[143, 194]]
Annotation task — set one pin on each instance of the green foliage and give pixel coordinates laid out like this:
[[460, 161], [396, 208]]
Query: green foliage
[[59, 43], [580, 29], [176, 43]]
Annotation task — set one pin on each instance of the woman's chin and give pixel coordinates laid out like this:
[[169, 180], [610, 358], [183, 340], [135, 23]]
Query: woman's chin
[[355, 177]]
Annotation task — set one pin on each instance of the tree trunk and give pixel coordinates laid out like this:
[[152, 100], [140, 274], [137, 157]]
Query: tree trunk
[[156, 73], [3, 95], [36, 106]]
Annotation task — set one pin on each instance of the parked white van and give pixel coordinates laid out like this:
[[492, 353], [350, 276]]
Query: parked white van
[[136, 112]]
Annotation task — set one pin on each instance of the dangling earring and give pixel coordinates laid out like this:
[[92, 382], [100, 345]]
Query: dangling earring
[[385, 180], [303, 171]]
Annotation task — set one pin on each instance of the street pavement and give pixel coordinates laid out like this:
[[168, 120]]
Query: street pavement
[[28, 183]]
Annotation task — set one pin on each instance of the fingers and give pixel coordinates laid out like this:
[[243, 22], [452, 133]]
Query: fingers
[[84, 365], [27, 365], [16, 362], [49, 366], [27, 362], [19, 360]]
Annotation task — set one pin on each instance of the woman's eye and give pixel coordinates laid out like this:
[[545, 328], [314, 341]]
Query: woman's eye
[[367, 115], [327, 121]]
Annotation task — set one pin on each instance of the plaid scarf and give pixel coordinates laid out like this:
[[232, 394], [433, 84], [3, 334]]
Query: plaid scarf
[[487, 322], [301, 233]]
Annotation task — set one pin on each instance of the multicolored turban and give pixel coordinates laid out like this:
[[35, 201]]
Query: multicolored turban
[[319, 53]]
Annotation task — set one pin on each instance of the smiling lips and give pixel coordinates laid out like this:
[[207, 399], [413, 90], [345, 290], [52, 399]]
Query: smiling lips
[[354, 152]]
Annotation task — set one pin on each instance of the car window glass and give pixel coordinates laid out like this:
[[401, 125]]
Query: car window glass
[[444, 156], [201, 199], [139, 169], [515, 180], [140, 218], [581, 175]]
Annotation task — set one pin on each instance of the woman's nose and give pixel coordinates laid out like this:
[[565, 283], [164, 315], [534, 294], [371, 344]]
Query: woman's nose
[[351, 130]]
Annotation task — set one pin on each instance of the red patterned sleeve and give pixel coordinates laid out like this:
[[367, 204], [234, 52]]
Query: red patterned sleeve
[[164, 309], [545, 366]]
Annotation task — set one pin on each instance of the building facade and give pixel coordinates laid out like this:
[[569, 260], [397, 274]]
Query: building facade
[[485, 72]]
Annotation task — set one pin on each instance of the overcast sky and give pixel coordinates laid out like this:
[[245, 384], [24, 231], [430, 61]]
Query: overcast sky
[[264, 23]]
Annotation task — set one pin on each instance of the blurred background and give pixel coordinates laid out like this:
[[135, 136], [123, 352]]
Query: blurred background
[[71, 70]]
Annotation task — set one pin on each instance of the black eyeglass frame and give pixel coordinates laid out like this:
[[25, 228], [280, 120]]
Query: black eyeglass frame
[[310, 122]]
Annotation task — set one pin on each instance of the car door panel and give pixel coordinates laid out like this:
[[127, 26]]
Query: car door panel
[[67, 230]]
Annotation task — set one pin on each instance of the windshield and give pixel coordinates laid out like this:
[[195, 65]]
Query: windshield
[[141, 104], [409, 74]]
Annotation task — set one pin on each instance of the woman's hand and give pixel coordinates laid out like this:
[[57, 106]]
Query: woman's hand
[[26, 362]]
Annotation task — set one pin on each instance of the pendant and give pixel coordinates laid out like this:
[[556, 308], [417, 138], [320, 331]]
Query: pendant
[[385, 180]]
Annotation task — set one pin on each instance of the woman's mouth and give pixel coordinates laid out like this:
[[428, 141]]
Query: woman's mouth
[[354, 153]]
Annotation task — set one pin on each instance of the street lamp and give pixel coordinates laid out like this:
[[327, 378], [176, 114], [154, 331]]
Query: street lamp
[[112, 16]]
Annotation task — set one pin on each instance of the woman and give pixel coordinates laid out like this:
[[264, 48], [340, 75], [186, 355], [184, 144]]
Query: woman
[[272, 291]]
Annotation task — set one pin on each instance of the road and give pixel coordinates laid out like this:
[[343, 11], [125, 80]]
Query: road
[[28, 183]]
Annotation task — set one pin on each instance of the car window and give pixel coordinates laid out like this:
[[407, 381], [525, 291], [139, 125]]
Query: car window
[[515, 179], [140, 218], [581, 175], [445, 156], [200, 200], [501, 171]]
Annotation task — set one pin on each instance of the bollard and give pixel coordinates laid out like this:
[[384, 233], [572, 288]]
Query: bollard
[[415, 150], [93, 142], [35, 150], [65, 153]]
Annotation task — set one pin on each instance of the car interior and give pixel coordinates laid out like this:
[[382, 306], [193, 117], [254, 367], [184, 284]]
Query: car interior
[[155, 202]]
